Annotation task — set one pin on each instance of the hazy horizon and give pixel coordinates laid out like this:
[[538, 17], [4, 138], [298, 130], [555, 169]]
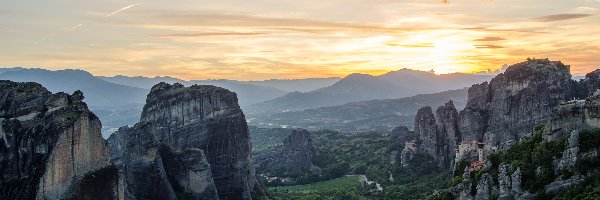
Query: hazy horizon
[[488, 73], [264, 40]]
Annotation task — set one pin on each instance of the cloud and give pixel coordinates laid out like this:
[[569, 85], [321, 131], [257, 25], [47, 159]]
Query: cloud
[[487, 46], [489, 39], [181, 20], [586, 9], [422, 45], [76, 27], [561, 17], [122, 9], [207, 34]]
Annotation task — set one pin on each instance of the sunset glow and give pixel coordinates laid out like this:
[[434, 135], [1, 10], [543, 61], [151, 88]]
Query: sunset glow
[[265, 39]]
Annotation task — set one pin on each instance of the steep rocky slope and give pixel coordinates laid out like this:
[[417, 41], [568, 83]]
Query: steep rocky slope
[[191, 142], [438, 134], [558, 157], [508, 107], [506, 110], [524, 129], [573, 115], [51, 147], [591, 83]]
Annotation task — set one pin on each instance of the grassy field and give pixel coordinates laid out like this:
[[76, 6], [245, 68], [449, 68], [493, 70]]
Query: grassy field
[[323, 186]]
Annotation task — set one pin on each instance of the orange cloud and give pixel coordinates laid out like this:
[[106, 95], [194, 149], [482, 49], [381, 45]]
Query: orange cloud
[[561, 17]]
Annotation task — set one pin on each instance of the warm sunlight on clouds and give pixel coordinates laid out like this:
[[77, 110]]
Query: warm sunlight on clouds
[[295, 39]]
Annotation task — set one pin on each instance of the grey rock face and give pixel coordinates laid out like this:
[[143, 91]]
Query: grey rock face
[[591, 83], [51, 147], [484, 187], [298, 150], [191, 170], [189, 139], [448, 135], [473, 118], [401, 134], [294, 157], [571, 152], [513, 103], [504, 183], [138, 158], [516, 181], [438, 134], [406, 156], [463, 190], [426, 127], [560, 185], [573, 115]]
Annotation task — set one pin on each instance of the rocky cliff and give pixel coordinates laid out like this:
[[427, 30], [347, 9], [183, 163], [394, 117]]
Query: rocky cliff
[[554, 148], [438, 134], [573, 115], [401, 134], [51, 147], [591, 83], [294, 156], [507, 109], [191, 141], [448, 134], [426, 127]]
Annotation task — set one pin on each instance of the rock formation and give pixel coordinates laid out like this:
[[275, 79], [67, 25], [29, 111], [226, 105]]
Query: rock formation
[[516, 182], [573, 115], [51, 147], [294, 157], [438, 134], [401, 134], [484, 187], [298, 150], [591, 83], [513, 103], [191, 141], [406, 155], [504, 183], [571, 152], [426, 127], [506, 109], [448, 135]]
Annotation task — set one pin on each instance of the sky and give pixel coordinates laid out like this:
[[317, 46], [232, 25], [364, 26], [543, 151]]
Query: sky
[[275, 39]]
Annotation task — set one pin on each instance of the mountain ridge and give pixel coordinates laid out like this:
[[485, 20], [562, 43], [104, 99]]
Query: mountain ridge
[[363, 87]]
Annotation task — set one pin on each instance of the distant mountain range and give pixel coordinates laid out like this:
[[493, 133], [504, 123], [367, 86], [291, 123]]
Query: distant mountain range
[[118, 100], [362, 87], [247, 93], [116, 105], [362, 116], [98, 92], [297, 85]]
